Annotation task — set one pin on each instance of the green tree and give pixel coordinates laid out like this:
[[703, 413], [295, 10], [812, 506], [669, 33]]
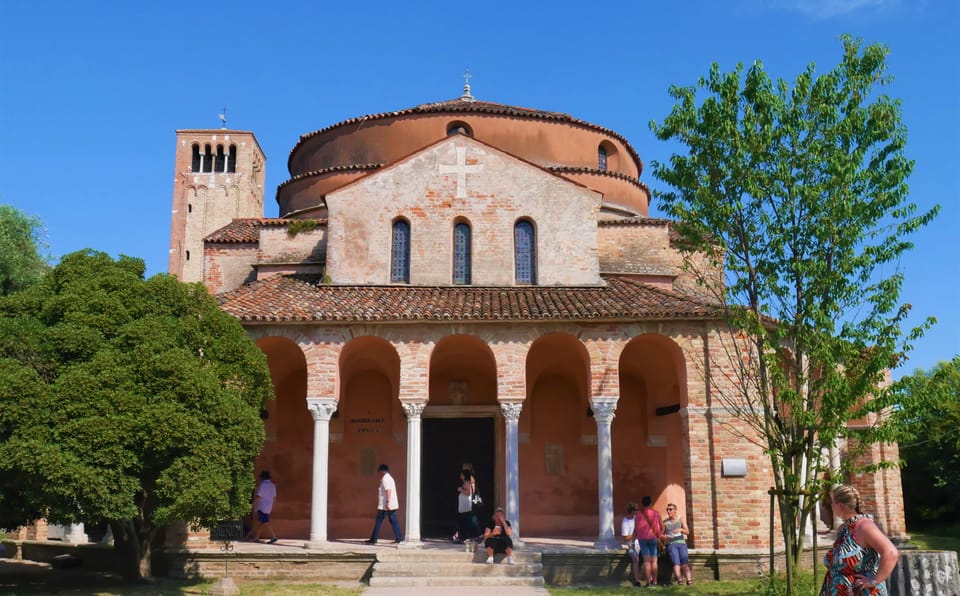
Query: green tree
[[20, 242], [928, 417], [799, 192], [125, 400]]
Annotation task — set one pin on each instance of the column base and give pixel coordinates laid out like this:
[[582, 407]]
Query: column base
[[607, 544], [313, 544]]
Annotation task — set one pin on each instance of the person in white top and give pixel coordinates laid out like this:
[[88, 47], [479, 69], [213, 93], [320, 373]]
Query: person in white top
[[263, 504], [387, 505], [627, 526]]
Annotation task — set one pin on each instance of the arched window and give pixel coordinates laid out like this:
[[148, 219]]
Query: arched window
[[400, 256], [207, 159], [602, 158], [459, 128], [461, 253], [221, 160], [232, 160], [195, 160], [525, 251]]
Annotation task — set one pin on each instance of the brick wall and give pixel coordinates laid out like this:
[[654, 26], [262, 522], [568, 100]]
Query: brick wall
[[361, 217]]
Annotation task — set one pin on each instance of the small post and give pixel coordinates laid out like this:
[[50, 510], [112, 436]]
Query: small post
[[771, 492], [226, 531]]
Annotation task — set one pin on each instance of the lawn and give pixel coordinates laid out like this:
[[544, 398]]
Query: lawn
[[36, 579]]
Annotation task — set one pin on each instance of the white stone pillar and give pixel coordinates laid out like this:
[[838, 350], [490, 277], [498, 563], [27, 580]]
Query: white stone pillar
[[511, 414], [603, 413], [322, 409], [414, 446], [76, 534]]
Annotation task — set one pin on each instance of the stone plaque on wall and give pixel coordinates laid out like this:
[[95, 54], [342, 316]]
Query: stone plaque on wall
[[458, 392], [368, 461], [553, 460]]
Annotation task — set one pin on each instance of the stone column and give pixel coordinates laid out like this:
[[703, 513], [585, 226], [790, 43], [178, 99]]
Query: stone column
[[76, 534], [603, 412], [511, 414], [414, 444], [321, 408]]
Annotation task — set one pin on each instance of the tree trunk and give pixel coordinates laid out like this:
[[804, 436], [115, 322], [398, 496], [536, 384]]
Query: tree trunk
[[126, 545], [925, 573]]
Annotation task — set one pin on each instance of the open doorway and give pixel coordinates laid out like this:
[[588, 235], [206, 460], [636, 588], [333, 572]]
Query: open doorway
[[448, 443]]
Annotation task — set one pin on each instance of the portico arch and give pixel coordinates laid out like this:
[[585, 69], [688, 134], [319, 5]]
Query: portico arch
[[286, 422], [558, 441], [461, 425], [367, 430], [650, 454]]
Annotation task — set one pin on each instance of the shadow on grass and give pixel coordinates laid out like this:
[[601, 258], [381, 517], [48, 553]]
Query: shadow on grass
[[28, 577]]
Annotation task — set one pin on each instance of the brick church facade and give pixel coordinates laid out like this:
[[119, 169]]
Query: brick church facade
[[470, 282]]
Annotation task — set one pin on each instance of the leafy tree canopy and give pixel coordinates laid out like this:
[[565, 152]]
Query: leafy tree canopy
[[20, 243], [928, 417], [798, 191], [127, 400]]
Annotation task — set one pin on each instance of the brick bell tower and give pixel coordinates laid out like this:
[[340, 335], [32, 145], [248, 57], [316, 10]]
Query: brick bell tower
[[218, 176]]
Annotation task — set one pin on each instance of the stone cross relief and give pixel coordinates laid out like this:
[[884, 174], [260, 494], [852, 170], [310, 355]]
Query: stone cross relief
[[461, 169]]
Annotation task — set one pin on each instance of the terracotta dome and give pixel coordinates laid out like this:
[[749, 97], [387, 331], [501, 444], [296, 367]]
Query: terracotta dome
[[593, 156]]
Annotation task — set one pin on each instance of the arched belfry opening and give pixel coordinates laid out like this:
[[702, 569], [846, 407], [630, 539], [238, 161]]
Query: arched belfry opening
[[650, 452], [558, 441], [367, 430], [286, 420], [461, 425]]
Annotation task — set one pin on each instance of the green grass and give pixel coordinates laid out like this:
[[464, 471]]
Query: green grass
[[88, 584], [742, 587], [939, 538]]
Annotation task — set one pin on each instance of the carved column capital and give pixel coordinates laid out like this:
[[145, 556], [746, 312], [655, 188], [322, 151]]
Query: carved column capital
[[412, 409], [511, 410], [604, 408], [321, 408]]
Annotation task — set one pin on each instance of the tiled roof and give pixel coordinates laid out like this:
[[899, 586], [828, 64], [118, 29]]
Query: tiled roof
[[482, 107], [297, 298], [247, 230]]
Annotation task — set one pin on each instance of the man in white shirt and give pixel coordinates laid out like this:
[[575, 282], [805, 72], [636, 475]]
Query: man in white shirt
[[263, 504], [627, 531], [387, 505]]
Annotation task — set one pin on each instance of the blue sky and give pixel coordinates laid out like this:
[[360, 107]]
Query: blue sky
[[91, 93]]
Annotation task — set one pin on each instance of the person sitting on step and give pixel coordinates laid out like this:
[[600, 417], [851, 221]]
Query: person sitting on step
[[497, 537]]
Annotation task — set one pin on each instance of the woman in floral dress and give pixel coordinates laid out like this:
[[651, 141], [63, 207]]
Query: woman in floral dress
[[862, 558]]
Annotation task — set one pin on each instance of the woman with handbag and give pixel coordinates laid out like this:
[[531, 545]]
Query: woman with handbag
[[468, 528]]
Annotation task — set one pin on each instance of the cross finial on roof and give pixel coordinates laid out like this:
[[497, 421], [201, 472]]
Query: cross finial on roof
[[466, 87], [223, 119]]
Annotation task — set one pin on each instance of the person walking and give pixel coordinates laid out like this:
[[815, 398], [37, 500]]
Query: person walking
[[387, 505], [263, 504]]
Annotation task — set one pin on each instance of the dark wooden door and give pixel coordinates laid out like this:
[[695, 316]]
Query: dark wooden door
[[448, 443]]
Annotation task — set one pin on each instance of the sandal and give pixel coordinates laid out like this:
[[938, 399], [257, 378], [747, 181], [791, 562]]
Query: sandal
[[689, 582]]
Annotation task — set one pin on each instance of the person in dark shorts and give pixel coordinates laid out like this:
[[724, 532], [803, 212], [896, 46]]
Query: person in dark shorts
[[497, 537]]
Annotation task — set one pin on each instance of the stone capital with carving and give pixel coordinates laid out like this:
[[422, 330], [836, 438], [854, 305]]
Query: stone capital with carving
[[322, 408], [511, 410], [603, 408], [412, 409]]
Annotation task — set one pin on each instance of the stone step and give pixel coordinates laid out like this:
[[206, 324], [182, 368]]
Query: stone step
[[487, 581], [413, 556], [455, 569]]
